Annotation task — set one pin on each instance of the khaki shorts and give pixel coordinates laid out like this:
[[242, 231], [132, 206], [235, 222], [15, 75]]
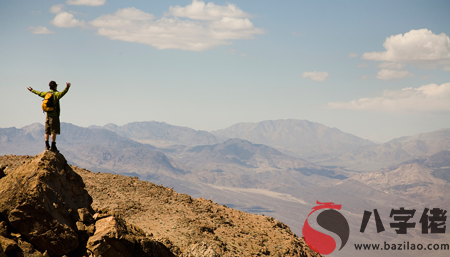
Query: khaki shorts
[[52, 125]]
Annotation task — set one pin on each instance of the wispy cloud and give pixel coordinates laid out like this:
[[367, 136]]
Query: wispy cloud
[[204, 26], [235, 52], [57, 8], [387, 74], [363, 77], [362, 65], [352, 55], [86, 2], [66, 20], [316, 75], [40, 30], [431, 97], [391, 65], [198, 10]]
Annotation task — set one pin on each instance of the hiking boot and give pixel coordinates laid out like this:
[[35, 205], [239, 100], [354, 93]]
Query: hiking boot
[[53, 148], [47, 146]]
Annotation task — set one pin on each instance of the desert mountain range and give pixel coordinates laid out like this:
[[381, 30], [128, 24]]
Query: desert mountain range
[[258, 167], [298, 138]]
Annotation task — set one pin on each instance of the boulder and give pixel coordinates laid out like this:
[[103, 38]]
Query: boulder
[[200, 250], [2, 173], [40, 200], [115, 237], [7, 245], [3, 229]]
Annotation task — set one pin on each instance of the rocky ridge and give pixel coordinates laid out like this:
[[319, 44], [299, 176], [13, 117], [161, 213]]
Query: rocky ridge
[[50, 208], [46, 211], [403, 148], [413, 180]]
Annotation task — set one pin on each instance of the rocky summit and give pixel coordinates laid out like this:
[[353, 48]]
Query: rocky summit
[[46, 211], [50, 208]]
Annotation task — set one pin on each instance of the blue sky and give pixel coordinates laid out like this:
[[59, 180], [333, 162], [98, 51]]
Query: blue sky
[[376, 69]]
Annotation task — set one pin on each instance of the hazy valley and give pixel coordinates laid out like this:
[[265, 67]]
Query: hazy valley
[[279, 168]]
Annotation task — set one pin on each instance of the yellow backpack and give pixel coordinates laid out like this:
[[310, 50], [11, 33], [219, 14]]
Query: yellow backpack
[[48, 104]]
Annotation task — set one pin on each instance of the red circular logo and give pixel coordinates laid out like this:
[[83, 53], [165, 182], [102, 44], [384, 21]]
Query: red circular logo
[[331, 220]]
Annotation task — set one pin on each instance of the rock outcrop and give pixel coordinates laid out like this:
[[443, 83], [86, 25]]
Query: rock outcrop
[[45, 209], [115, 237], [40, 201]]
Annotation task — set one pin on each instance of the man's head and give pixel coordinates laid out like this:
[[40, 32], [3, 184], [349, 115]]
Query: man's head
[[52, 85]]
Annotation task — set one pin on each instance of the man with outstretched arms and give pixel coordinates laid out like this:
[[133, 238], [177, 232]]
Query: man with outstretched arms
[[52, 124]]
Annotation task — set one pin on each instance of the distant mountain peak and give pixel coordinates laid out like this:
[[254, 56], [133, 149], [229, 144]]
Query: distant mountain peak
[[161, 134], [110, 126], [299, 137]]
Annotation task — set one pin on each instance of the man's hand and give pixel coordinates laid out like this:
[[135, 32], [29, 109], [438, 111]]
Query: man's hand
[[68, 84], [29, 89]]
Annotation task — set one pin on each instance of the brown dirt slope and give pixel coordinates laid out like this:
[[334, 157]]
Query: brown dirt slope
[[188, 227]]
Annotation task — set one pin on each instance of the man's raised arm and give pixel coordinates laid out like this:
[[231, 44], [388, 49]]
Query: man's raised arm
[[41, 94], [58, 95]]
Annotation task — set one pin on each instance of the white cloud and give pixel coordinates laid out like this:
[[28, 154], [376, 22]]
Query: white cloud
[[57, 8], [66, 20], [86, 2], [198, 10], [210, 27], [316, 75], [414, 46], [446, 68], [352, 55], [386, 74], [431, 97], [391, 65], [40, 30], [123, 18]]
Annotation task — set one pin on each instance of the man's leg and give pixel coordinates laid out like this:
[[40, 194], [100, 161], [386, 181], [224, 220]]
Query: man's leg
[[55, 129], [47, 132], [53, 148], [47, 145]]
